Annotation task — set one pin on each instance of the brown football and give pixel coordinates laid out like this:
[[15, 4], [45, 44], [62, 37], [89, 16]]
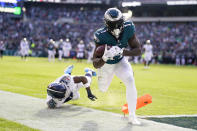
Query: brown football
[[100, 50]]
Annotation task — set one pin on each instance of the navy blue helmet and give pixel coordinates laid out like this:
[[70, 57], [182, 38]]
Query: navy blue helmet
[[113, 19], [56, 90]]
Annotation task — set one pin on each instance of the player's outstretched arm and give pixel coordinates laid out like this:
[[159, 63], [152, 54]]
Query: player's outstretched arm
[[84, 80], [98, 62], [135, 47], [90, 95]]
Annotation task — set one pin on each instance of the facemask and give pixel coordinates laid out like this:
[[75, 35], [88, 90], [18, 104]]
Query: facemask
[[116, 33]]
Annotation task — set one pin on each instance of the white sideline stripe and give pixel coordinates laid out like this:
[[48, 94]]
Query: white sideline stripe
[[171, 116], [33, 112]]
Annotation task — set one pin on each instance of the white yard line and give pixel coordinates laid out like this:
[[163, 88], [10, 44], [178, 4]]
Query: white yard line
[[32, 112], [171, 116]]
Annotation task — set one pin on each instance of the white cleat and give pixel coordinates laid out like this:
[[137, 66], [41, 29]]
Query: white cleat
[[134, 121]]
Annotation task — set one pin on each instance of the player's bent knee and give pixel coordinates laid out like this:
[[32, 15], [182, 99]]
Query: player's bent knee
[[129, 79], [103, 85]]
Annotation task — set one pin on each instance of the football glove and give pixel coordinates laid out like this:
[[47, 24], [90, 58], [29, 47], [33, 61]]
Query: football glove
[[116, 51], [108, 54], [92, 97]]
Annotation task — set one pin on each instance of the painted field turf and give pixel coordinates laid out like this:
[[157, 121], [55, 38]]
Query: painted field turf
[[6, 125], [174, 89], [186, 122]]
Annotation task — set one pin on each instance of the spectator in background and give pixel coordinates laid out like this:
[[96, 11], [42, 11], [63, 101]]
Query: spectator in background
[[42, 23], [2, 48]]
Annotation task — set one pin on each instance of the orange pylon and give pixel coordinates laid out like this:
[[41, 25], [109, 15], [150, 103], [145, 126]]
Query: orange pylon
[[141, 101]]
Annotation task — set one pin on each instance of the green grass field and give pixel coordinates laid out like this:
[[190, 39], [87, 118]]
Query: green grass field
[[6, 125], [174, 89]]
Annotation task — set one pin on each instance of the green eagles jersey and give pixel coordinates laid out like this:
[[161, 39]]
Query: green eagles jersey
[[102, 36], [51, 46]]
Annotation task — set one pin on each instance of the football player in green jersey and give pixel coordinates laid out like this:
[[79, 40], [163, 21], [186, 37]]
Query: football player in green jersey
[[120, 35]]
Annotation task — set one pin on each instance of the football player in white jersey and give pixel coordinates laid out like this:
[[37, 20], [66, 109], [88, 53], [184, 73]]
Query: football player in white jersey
[[60, 49], [24, 46], [66, 88], [178, 60], [80, 50], [51, 50], [148, 53], [91, 48], [66, 48]]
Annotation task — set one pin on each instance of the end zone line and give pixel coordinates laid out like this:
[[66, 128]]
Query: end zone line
[[164, 116]]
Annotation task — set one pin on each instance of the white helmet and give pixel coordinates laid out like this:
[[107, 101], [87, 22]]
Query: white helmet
[[148, 41]]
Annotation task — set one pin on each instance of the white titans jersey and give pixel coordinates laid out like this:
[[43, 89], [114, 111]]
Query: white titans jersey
[[70, 86], [81, 47], [24, 45], [67, 46], [148, 48]]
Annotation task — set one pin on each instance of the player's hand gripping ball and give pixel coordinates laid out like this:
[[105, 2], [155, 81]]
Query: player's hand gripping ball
[[104, 52], [116, 51]]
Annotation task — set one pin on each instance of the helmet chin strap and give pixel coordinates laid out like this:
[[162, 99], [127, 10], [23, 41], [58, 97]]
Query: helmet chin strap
[[116, 33]]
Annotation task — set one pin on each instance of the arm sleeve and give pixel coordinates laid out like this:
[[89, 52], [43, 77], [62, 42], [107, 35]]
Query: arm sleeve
[[97, 39], [131, 30]]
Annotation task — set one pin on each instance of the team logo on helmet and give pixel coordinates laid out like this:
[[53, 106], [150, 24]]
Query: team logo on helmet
[[113, 14], [114, 21], [66, 79]]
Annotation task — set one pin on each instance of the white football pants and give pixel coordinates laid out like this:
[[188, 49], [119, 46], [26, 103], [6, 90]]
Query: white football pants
[[124, 71], [51, 55], [24, 52], [60, 52], [148, 57]]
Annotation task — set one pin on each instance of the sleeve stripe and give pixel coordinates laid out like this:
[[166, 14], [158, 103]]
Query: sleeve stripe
[[127, 25], [104, 31]]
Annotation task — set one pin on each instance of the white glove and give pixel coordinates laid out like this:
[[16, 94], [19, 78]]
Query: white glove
[[108, 54], [116, 51]]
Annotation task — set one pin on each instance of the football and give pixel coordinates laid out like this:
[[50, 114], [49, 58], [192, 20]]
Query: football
[[100, 50]]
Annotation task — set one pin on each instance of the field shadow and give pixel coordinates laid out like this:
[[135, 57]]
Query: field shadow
[[65, 111], [129, 126], [89, 126]]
